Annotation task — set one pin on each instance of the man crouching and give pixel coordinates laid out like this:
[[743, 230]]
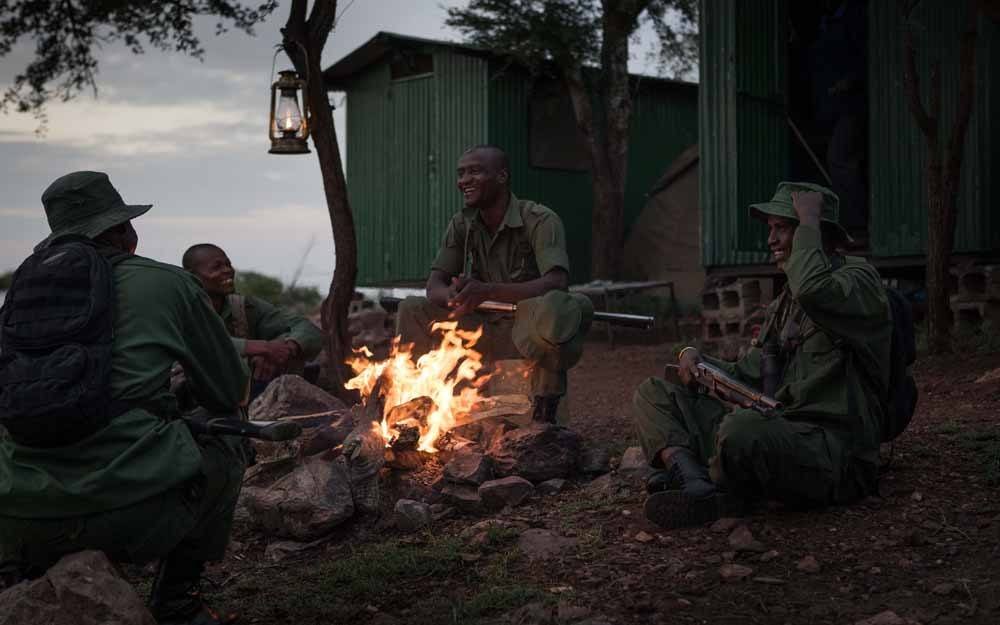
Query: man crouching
[[823, 351]]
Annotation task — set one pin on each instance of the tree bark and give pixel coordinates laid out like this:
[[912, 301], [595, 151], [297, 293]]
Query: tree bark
[[944, 167], [304, 40]]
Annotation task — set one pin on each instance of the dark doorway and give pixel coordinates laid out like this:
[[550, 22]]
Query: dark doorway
[[828, 103]]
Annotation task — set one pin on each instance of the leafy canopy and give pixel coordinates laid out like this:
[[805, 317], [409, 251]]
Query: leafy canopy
[[300, 298], [567, 33], [67, 33]]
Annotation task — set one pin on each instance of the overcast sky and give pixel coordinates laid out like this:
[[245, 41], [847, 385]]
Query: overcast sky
[[191, 139]]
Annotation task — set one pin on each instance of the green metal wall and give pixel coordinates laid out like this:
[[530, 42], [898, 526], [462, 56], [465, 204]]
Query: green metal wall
[[898, 152], [742, 133], [664, 122], [403, 139]]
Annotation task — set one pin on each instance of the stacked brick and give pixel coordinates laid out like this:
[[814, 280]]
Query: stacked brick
[[978, 295], [728, 311]]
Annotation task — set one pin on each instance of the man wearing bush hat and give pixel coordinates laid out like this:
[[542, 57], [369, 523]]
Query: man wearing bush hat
[[831, 329], [139, 485]]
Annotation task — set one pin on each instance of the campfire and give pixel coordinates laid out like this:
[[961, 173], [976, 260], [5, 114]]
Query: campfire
[[422, 399]]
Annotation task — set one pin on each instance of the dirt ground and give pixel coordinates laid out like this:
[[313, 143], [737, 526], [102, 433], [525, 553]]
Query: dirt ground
[[928, 549]]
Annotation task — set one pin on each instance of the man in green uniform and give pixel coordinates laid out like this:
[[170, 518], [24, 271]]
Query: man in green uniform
[[504, 249], [831, 329], [143, 487], [271, 338]]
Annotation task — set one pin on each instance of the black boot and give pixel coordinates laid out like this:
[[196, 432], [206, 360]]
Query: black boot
[[687, 496], [176, 597], [543, 408]]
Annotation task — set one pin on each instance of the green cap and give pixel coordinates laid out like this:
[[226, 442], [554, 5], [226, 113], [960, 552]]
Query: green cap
[[85, 203], [781, 206], [551, 329]]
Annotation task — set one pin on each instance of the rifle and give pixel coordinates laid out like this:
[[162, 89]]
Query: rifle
[[274, 431], [727, 389], [619, 319]]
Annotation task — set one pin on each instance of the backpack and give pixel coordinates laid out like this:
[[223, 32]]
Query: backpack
[[56, 332], [901, 401]]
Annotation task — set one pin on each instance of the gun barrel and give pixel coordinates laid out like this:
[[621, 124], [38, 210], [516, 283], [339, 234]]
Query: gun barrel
[[274, 431], [619, 319]]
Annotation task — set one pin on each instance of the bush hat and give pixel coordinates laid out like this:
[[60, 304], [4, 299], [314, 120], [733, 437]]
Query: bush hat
[[85, 203], [781, 206], [550, 329]]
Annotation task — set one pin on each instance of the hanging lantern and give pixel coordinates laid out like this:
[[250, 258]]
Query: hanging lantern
[[289, 123]]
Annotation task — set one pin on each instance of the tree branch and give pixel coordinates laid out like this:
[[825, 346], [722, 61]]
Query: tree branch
[[966, 94], [911, 81]]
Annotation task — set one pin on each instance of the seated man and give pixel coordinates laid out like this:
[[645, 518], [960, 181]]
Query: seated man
[[830, 331], [135, 483], [271, 338], [500, 248]]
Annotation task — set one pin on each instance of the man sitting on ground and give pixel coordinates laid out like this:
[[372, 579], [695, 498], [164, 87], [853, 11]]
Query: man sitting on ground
[[135, 482], [500, 248], [275, 341], [831, 331]]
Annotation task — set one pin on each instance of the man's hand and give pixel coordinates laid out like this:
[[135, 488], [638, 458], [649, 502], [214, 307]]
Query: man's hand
[[687, 363], [808, 206], [270, 357], [469, 293]]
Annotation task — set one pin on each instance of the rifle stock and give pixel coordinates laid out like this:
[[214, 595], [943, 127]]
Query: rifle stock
[[728, 389]]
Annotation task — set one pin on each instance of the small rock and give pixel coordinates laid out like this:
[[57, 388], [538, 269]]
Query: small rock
[[742, 540], [551, 487], [441, 511], [734, 572], [943, 589], [773, 581], [726, 524], [463, 497], [917, 496], [411, 515], [593, 460], [643, 537], [479, 534], [507, 491], [992, 375], [469, 467], [634, 465], [886, 618], [542, 544], [283, 549], [684, 603], [769, 555], [808, 564]]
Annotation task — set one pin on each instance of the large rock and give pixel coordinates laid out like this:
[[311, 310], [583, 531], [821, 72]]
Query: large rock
[[290, 395], [412, 515], [462, 497], [634, 465], [507, 491], [81, 589], [536, 452], [468, 467], [302, 500]]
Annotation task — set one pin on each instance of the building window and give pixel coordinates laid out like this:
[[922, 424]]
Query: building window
[[406, 65], [555, 141]]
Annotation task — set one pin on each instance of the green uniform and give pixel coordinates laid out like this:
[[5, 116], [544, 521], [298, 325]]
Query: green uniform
[[143, 485], [822, 446], [529, 243], [266, 322]]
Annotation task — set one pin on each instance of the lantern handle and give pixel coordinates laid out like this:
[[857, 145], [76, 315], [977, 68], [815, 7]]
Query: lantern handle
[[278, 48]]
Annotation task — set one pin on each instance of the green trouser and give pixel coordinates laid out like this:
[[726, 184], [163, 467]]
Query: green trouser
[[191, 522], [416, 315], [746, 451]]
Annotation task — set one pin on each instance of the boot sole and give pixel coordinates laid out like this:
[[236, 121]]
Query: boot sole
[[673, 509]]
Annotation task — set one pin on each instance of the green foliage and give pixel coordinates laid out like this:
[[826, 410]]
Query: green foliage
[[303, 299], [567, 33], [66, 34], [5, 280], [259, 285]]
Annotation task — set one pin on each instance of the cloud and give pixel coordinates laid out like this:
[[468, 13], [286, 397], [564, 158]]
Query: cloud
[[22, 213]]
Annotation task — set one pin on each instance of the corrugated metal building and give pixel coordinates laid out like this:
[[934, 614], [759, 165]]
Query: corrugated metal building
[[748, 93], [413, 106]]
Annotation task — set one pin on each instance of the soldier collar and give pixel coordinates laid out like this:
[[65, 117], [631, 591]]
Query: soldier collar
[[511, 219]]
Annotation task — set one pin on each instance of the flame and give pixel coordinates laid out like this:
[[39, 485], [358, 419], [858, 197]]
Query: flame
[[436, 374]]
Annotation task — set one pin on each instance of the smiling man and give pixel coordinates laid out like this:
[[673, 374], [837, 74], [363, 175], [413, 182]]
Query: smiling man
[[268, 336], [828, 335], [501, 248]]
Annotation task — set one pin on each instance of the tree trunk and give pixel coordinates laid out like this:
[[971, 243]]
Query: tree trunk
[[311, 35], [944, 174]]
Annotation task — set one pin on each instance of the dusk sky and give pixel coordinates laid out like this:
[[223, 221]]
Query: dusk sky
[[190, 138]]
